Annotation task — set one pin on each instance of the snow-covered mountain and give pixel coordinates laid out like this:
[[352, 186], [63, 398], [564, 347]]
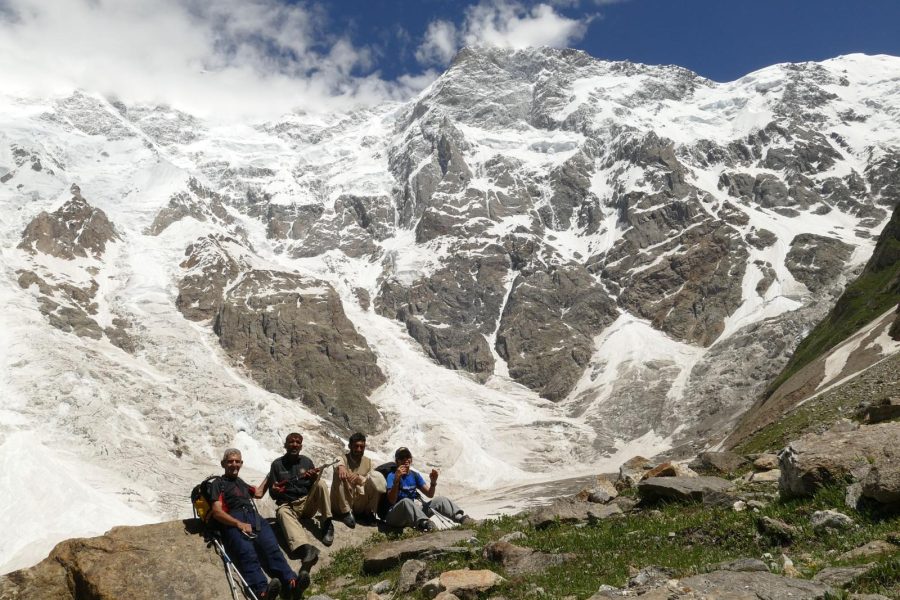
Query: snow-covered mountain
[[542, 263]]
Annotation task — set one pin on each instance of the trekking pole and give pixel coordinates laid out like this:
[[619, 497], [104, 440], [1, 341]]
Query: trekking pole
[[231, 570]]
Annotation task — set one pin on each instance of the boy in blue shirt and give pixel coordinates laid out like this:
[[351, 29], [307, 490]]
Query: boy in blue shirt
[[403, 487]]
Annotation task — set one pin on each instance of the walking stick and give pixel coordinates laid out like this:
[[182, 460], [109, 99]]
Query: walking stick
[[231, 570]]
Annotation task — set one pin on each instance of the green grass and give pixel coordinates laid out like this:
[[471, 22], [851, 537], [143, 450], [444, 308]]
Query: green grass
[[606, 551]]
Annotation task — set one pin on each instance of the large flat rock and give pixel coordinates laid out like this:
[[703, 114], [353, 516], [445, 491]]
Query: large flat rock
[[163, 560], [870, 455], [681, 488], [390, 554]]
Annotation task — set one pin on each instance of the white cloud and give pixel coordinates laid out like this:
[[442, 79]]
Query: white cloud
[[441, 43], [226, 57], [502, 23]]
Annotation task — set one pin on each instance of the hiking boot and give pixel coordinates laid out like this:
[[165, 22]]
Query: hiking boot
[[347, 519], [328, 534], [297, 586], [424, 525], [367, 518], [307, 554], [271, 590], [463, 519]]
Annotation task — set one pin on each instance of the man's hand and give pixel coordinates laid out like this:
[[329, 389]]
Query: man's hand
[[403, 470], [245, 528], [344, 474], [278, 486], [312, 473], [433, 476]]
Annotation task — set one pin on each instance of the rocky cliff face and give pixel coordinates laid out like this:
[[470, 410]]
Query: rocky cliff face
[[858, 332], [289, 332]]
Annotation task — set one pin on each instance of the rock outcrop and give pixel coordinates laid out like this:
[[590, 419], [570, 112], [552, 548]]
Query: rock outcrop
[[75, 229], [166, 560], [289, 332], [80, 233], [869, 456], [291, 335]]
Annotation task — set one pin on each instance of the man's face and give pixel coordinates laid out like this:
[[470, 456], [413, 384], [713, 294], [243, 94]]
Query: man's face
[[293, 445], [232, 464], [357, 449], [405, 461]]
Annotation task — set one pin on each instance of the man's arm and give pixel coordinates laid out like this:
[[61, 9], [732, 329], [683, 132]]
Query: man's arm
[[428, 489], [219, 514], [394, 486], [261, 488]]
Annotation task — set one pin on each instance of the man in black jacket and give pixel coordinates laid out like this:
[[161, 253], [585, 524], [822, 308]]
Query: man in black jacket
[[294, 483], [247, 537]]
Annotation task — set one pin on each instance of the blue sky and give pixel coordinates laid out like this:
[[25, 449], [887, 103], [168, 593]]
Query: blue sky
[[720, 39], [263, 57]]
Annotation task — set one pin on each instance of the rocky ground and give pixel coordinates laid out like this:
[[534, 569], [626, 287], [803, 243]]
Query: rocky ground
[[819, 520]]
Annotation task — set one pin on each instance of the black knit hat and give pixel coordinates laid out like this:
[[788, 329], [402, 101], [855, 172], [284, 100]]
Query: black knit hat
[[402, 453]]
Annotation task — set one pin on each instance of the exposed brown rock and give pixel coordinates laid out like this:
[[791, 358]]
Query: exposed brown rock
[[292, 336], [75, 229]]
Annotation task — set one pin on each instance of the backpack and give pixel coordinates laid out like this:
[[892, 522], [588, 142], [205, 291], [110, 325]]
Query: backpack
[[383, 504], [201, 498]]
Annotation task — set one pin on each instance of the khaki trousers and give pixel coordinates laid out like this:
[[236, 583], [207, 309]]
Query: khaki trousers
[[289, 514], [358, 498]]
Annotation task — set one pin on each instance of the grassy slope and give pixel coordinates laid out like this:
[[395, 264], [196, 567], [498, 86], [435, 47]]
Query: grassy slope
[[685, 538], [876, 290]]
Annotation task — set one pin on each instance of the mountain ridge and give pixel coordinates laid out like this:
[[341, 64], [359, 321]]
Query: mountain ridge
[[601, 260]]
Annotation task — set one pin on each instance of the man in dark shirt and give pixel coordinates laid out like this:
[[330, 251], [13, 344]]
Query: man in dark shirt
[[248, 538], [295, 485]]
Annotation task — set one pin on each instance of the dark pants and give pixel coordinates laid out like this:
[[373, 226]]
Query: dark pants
[[252, 557]]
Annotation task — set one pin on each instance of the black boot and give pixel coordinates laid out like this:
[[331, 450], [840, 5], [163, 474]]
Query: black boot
[[328, 534], [272, 590], [307, 554]]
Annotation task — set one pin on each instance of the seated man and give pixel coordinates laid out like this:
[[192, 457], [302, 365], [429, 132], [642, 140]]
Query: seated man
[[404, 486], [356, 487], [248, 539], [293, 482]]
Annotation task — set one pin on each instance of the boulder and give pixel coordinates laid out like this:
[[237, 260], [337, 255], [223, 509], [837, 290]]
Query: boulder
[[825, 520], [718, 463], [631, 471], [873, 548], [388, 555], [681, 488], [883, 410], [840, 576], [517, 560], [777, 530], [602, 492], [669, 469], [882, 482], [815, 460], [773, 476], [570, 510], [412, 575], [468, 583], [765, 462], [163, 560]]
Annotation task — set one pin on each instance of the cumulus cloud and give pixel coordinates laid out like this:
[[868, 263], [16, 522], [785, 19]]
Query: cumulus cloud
[[228, 57], [502, 23], [440, 43]]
